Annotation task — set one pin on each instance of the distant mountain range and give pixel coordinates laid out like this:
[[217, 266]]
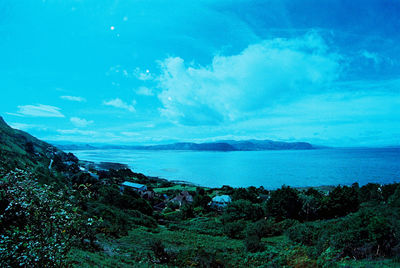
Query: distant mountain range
[[226, 145]]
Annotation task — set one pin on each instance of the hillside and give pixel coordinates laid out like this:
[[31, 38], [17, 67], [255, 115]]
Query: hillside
[[20, 149], [49, 164]]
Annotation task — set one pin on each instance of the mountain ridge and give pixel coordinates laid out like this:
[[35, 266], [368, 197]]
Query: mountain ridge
[[223, 145]]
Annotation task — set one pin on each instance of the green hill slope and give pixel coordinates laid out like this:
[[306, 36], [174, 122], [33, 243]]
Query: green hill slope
[[19, 149]]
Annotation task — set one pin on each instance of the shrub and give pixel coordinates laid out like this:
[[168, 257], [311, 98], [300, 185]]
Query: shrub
[[245, 194], [253, 243], [159, 252], [370, 192], [284, 203], [37, 226], [242, 209], [262, 228], [187, 211], [235, 229], [341, 201]]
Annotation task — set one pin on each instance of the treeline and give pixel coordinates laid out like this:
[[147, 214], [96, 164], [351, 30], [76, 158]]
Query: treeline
[[349, 221]]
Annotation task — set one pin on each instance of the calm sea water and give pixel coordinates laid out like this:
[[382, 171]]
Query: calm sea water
[[270, 169]]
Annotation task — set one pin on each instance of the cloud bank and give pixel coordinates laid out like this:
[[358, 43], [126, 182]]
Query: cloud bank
[[232, 87], [118, 103]]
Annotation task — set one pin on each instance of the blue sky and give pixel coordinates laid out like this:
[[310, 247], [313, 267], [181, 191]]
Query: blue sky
[[146, 72]]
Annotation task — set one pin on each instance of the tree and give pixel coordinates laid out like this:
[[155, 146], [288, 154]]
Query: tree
[[242, 209], [341, 201], [284, 203]]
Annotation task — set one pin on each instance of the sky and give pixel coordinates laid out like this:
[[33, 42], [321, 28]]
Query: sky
[[157, 71]]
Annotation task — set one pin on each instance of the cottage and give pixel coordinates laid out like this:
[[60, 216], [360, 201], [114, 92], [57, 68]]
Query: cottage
[[134, 186], [220, 201], [148, 194], [183, 198]]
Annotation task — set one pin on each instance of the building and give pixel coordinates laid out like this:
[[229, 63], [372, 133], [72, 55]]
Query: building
[[220, 201], [134, 186], [183, 198]]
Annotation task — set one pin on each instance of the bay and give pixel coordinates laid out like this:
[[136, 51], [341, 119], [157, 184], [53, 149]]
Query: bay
[[271, 169]]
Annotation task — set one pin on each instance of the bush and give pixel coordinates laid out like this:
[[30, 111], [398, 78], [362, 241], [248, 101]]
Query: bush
[[341, 201], [263, 228], [369, 233], [242, 209], [159, 252], [245, 194], [235, 229], [284, 203], [37, 226], [187, 211], [370, 192], [253, 243]]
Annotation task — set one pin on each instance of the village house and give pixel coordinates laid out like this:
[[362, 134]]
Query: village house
[[183, 198], [220, 201]]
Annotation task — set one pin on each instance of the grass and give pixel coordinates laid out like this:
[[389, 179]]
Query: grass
[[177, 187]]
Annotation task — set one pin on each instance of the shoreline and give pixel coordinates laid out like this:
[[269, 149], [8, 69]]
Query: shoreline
[[100, 166]]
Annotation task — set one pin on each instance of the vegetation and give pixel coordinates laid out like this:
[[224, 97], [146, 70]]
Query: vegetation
[[57, 211]]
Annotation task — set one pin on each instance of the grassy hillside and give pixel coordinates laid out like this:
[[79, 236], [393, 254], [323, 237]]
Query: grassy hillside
[[19, 149]]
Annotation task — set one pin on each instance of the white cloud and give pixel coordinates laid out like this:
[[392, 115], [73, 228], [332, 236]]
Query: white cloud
[[144, 91], [118, 103], [231, 87], [77, 132], [39, 110], [73, 98], [80, 122]]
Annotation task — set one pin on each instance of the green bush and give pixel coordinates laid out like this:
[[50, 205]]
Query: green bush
[[284, 203], [38, 226], [253, 243], [341, 201], [242, 209], [263, 228], [369, 233], [235, 229]]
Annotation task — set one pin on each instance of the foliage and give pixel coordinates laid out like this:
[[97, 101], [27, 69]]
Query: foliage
[[37, 226], [284, 203], [263, 228], [253, 243], [235, 229], [242, 209], [371, 232]]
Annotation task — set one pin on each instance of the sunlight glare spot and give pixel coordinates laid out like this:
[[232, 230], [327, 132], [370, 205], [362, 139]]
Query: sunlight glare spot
[[112, 28]]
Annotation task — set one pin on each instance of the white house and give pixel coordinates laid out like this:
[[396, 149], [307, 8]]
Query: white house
[[221, 201]]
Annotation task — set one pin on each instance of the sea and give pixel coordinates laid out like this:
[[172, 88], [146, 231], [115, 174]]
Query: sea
[[270, 169]]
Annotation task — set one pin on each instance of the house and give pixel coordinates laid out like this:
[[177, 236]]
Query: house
[[134, 186], [183, 198], [220, 201], [148, 194]]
